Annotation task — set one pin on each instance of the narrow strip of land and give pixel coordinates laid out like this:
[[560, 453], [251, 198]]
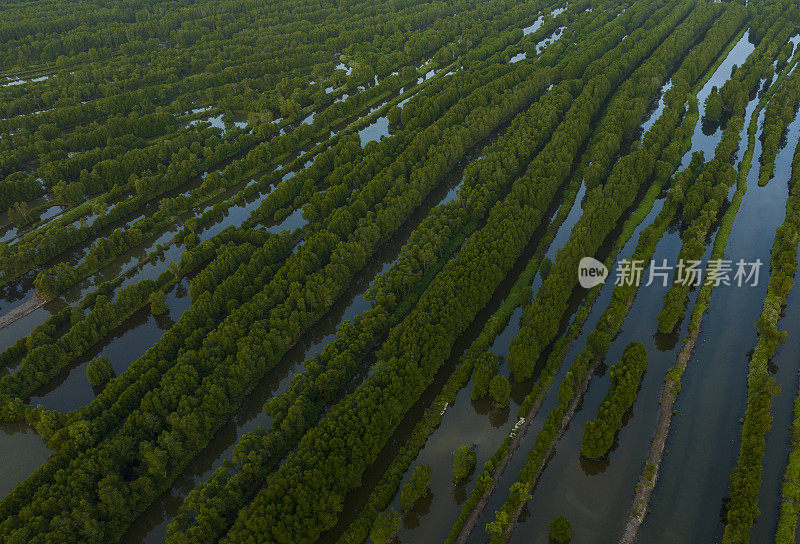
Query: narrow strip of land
[[27, 307]]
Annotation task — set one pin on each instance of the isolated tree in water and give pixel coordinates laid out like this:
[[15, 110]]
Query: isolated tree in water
[[560, 530], [463, 463], [416, 486]]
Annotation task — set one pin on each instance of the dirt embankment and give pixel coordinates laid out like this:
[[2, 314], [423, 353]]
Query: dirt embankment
[[22, 310]]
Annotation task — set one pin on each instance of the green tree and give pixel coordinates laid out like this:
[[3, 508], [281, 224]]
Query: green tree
[[394, 115], [485, 369], [68, 194], [99, 370], [500, 389], [416, 486], [714, 105], [545, 267], [20, 214], [158, 302], [385, 527], [560, 530], [464, 462]]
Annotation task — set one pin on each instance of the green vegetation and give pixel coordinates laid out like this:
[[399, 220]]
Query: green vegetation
[[745, 478], [625, 377], [500, 389], [399, 355], [226, 166], [790, 490], [485, 369], [713, 105], [703, 204], [542, 316], [158, 302], [99, 370], [415, 487], [560, 530], [780, 111], [385, 527], [463, 463], [598, 342], [672, 386]]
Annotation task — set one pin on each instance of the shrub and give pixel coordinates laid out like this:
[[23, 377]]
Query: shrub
[[500, 389], [416, 486], [463, 463], [560, 530]]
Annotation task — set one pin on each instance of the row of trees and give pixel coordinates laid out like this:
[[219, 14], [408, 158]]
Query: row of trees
[[19, 187], [497, 323], [253, 337], [407, 361], [153, 185], [43, 361], [115, 97], [599, 340], [780, 111], [74, 437], [184, 167], [745, 477], [311, 390], [128, 445], [704, 202], [790, 491], [331, 371], [657, 156], [66, 231], [625, 377], [237, 52], [122, 126], [529, 406]]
